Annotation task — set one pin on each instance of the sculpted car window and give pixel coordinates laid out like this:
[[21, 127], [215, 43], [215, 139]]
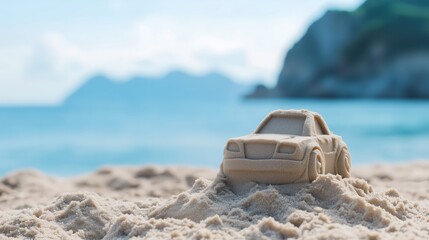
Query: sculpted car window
[[320, 130], [284, 125]]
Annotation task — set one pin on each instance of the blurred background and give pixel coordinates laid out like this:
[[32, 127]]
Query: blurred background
[[90, 83]]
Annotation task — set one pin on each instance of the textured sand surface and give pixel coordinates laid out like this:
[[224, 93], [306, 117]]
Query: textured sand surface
[[379, 202]]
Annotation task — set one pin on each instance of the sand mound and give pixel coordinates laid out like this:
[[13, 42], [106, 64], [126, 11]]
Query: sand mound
[[30, 188], [330, 207]]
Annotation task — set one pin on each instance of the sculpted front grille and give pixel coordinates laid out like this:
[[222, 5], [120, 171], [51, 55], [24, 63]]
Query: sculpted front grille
[[259, 150]]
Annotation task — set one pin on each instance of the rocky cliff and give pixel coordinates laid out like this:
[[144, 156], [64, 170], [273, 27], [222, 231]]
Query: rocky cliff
[[380, 50]]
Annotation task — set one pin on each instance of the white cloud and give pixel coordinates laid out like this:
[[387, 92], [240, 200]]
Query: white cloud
[[243, 48], [157, 45]]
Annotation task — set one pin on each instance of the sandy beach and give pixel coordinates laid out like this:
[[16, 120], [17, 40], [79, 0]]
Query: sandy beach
[[378, 202]]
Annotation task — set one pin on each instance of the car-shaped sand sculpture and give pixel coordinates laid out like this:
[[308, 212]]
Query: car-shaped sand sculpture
[[289, 146]]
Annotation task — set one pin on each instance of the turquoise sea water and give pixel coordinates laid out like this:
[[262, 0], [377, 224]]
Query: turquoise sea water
[[72, 140]]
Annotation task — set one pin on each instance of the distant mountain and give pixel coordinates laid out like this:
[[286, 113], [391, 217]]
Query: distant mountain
[[380, 50], [174, 87]]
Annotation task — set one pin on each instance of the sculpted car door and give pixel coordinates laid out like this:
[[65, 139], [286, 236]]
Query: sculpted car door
[[326, 142]]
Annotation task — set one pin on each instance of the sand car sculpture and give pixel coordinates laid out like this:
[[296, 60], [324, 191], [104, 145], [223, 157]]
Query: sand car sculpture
[[289, 146]]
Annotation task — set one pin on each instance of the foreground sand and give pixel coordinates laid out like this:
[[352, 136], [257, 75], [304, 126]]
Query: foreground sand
[[390, 201]]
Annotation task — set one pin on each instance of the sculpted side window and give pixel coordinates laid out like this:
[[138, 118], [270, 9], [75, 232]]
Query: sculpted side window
[[291, 125], [320, 127]]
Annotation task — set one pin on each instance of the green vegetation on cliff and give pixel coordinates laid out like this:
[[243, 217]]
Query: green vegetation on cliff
[[399, 25]]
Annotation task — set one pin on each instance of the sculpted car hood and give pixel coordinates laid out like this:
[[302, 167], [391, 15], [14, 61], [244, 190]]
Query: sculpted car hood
[[272, 137]]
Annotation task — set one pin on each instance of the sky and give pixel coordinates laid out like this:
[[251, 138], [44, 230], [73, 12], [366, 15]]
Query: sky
[[49, 48]]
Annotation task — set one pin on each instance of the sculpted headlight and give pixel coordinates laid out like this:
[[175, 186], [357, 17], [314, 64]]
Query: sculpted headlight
[[233, 147], [287, 149]]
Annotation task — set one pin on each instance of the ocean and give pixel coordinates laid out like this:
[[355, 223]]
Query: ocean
[[71, 140]]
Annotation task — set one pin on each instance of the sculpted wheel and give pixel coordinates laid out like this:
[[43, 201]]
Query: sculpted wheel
[[316, 164], [344, 164]]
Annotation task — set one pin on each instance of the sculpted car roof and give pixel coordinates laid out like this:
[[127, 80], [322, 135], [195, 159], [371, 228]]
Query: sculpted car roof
[[293, 112], [308, 129], [272, 137]]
